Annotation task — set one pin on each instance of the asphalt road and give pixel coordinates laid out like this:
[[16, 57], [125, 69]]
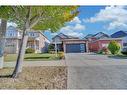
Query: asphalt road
[[90, 71]]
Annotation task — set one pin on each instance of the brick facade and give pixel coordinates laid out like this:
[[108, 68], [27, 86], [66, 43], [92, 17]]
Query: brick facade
[[95, 46]]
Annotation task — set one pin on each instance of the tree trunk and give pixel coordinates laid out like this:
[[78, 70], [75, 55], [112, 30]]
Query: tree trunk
[[19, 62], [2, 41]]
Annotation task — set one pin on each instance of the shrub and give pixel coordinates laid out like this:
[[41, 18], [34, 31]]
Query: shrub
[[61, 55], [104, 50], [30, 50], [51, 48], [114, 47]]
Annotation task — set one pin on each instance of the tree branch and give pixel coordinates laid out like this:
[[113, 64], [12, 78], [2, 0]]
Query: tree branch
[[36, 19], [27, 23], [16, 12], [34, 22]]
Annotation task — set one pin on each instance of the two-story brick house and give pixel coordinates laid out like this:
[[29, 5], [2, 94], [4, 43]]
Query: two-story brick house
[[36, 40]]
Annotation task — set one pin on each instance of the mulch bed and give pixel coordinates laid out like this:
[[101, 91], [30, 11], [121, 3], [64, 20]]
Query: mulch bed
[[46, 77]]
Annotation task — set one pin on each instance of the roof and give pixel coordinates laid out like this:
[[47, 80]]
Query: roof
[[40, 33], [45, 36], [119, 34], [63, 36], [88, 36], [97, 35], [100, 35]]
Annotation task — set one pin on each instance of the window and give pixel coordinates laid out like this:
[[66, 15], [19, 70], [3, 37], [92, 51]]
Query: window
[[124, 44], [10, 34], [10, 45]]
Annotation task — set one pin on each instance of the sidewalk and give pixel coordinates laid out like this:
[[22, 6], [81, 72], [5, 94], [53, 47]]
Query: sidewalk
[[37, 63]]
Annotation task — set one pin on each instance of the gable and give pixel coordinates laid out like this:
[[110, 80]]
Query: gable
[[97, 36], [56, 39], [119, 34], [101, 35]]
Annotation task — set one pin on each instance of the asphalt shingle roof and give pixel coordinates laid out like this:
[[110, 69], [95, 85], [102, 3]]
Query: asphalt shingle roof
[[119, 34], [98, 35]]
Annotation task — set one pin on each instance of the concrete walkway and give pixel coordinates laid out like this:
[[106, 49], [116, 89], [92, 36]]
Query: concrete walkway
[[38, 63], [91, 71]]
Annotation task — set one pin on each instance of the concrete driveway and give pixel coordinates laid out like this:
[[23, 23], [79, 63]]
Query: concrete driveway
[[91, 71]]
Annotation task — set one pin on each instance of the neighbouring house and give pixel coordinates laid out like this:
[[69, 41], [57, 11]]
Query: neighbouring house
[[90, 43], [97, 45], [36, 40], [93, 41], [70, 44], [100, 40]]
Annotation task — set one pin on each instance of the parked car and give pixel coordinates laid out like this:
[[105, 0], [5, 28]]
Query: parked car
[[124, 49]]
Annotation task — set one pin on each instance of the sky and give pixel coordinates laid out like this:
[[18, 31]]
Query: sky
[[94, 19]]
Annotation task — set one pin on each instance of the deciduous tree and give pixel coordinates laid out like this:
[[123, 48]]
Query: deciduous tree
[[38, 18]]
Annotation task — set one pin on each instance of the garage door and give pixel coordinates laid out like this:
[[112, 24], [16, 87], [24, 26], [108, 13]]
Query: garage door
[[75, 48]]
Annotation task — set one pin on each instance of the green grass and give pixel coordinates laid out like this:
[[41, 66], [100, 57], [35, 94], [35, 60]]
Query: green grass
[[32, 57], [117, 56]]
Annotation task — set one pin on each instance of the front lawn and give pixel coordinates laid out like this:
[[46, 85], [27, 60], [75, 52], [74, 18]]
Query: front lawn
[[50, 77], [117, 56], [32, 57]]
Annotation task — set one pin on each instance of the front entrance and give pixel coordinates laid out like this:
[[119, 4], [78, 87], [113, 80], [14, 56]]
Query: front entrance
[[76, 48]]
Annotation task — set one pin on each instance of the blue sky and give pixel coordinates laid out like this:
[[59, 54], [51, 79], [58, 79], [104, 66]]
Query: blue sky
[[94, 19]]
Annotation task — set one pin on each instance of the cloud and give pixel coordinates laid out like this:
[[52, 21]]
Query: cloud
[[116, 16], [79, 27], [73, 30], [74, 34], [117, 25], [76, 20]]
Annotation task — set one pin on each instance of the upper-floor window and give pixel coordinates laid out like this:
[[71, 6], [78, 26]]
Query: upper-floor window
[[11, 32], [33, 34]]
